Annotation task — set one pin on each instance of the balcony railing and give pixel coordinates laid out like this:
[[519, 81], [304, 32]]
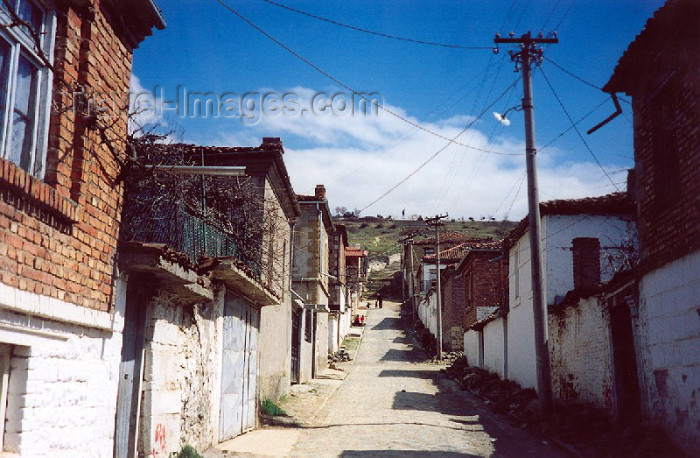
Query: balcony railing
[[182, 232]]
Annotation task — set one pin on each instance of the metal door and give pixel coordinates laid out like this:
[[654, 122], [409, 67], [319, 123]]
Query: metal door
[[239, 367]]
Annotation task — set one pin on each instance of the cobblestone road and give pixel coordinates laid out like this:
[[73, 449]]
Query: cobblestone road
[[394, 403]]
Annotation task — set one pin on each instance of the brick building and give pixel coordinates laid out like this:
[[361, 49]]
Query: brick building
[[60, 202], [659, 71]]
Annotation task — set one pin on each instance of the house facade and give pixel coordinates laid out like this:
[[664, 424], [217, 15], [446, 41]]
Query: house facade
[[339, 319], [311, 278], [356, 265], [61, 317], [659, 73], [206, 264], [609, 219]]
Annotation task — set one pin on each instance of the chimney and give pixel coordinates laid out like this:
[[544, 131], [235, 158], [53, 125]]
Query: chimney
[[320, 192], [271, 141], [586, 252]]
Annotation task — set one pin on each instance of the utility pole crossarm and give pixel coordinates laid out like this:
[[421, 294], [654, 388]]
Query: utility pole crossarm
[[526, 38]]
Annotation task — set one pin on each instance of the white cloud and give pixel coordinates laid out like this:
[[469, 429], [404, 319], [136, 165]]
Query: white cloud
[[360, 157]]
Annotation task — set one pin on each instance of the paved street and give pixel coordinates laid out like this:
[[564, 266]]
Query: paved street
[[393, 403]]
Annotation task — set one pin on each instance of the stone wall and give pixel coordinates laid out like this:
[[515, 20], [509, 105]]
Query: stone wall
[[181, 386]]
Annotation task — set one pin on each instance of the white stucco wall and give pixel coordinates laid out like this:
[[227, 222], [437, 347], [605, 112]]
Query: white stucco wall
[[63, 376], [427, 313], [520, 329], [333, 333], [471, 347], [668, 348], [494, 347], [557, 231]]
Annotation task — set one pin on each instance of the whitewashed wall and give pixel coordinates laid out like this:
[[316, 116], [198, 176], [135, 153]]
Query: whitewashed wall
[[471, 347], [494, 347], [64, 374], [558, 231], [668, 347], [579, 342]]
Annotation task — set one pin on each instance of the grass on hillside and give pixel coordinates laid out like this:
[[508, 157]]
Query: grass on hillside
[[381, 236]]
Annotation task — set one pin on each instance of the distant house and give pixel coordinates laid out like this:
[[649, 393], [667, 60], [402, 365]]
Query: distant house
[[339, 319], [453, 292], [205, 268], [61, 156], [356, 265], [311, 279], [484, 277], [660, 72]]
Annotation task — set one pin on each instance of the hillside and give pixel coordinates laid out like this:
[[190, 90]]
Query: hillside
[[381, 236]]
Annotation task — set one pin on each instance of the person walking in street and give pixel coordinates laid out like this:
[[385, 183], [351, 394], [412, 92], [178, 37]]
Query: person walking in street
[[379, 300]]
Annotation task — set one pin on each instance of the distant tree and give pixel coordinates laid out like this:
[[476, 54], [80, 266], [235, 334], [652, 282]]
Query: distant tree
[[357, 212], [340, 211], [380, 217], [348, 214], [471, 219], [420, 218]]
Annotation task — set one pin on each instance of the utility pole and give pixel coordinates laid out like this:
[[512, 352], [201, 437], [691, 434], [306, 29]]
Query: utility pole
[[408, 268], [437, 224], [528, 55]]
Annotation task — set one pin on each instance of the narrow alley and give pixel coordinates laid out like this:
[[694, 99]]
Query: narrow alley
[[395, 403]]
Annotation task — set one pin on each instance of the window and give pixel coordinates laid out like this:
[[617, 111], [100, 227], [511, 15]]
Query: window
[[25, 84]]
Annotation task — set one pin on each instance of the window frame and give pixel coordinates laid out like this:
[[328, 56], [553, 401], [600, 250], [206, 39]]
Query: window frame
[[21, 44]]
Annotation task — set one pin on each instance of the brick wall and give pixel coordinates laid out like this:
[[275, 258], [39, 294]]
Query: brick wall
[[58, 236], [453, 312], [485, 283], [668, 194]]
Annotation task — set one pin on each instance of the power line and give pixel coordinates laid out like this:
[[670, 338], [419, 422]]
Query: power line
[[561, 104], [556, 5], [372, 32], [340, 83], [581, 79], [556, 27], [546, 145], [434, 155]]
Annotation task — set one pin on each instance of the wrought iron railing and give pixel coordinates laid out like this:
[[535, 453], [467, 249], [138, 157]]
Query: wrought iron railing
[[182, 232]]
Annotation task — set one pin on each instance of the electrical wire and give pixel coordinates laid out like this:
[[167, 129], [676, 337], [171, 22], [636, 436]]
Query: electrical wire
[[556, 5], [581, 79], [566, 13], [372, 32], [342, 84], [546, 145], [434, 155], [561, 104]]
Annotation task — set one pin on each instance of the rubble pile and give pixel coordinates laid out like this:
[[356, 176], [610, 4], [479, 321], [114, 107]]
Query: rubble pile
[[341, 356], [585, 430]]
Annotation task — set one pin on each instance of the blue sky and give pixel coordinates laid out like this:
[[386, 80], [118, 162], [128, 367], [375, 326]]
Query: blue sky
[[206, 48]]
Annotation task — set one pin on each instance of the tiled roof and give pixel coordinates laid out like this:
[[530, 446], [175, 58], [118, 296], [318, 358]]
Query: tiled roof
[[449, 237], [617, 203], [676, 22], [457, 253], [352, 251]]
